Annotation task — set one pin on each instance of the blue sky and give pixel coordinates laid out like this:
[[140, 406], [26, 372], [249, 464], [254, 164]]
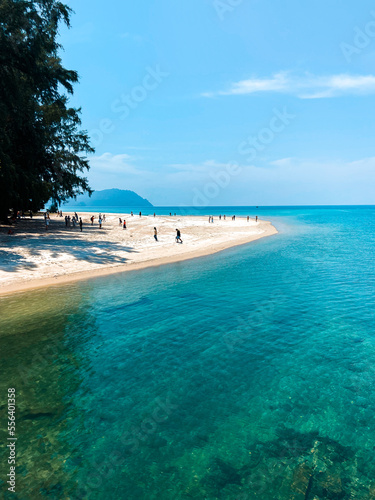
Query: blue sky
[[228, 102]]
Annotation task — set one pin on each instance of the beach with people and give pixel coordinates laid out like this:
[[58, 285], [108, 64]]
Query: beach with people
[[85, 245]]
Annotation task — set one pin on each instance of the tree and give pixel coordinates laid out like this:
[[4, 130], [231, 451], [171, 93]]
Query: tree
[[42, 147]]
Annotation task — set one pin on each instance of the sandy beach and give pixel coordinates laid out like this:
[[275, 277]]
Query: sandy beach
[[33, 257]]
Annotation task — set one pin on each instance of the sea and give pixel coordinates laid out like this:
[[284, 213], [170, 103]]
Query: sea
[[247, 374]]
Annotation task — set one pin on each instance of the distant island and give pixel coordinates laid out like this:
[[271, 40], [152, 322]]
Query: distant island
[[109, 198]]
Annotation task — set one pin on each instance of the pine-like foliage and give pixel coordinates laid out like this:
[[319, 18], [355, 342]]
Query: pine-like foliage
[[42, 148]]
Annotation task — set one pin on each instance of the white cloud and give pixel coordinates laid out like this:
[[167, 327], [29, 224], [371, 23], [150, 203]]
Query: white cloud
[[283, 162], [203, 167], [305, 87], [326, 182], [291, 181], [109, 164], [118, 171]]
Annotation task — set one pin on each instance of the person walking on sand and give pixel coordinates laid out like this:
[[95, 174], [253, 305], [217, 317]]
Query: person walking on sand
[[100, 222], [80, 223], [155, 234], [120, 221], [140, 214], [92, 220], [124, 226], [178, 236], [256, 218], [248, 218]]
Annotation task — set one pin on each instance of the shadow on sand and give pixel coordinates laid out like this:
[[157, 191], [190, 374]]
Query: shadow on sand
[[31, 234]]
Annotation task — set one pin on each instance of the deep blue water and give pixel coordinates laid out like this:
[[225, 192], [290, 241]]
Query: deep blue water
[[246, 374]]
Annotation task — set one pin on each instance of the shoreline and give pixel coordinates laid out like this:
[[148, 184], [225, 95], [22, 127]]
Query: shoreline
[[215, 244]]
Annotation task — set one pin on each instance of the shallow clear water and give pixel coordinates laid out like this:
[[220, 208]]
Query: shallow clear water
[[246, 374]]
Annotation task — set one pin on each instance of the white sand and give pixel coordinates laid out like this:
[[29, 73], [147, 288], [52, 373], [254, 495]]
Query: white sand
[[33, 257]]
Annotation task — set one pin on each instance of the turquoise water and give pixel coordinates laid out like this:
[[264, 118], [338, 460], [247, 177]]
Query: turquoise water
[[246, 374]]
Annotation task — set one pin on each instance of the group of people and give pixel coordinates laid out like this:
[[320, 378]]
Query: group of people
[[73, 221], [122, 222], [101, 219], [211, 219], [76, 220], [21, 213]]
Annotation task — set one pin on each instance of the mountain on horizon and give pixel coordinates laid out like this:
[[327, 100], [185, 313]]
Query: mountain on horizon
[[109, 198]]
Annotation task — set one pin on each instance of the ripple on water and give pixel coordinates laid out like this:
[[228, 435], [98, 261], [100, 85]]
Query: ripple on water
[[248, 374]]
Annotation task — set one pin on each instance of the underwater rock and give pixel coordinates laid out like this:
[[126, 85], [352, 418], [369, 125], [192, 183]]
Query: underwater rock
[[331, 483], [307, 466], [372, 492], [221, 475], [302, 482]]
